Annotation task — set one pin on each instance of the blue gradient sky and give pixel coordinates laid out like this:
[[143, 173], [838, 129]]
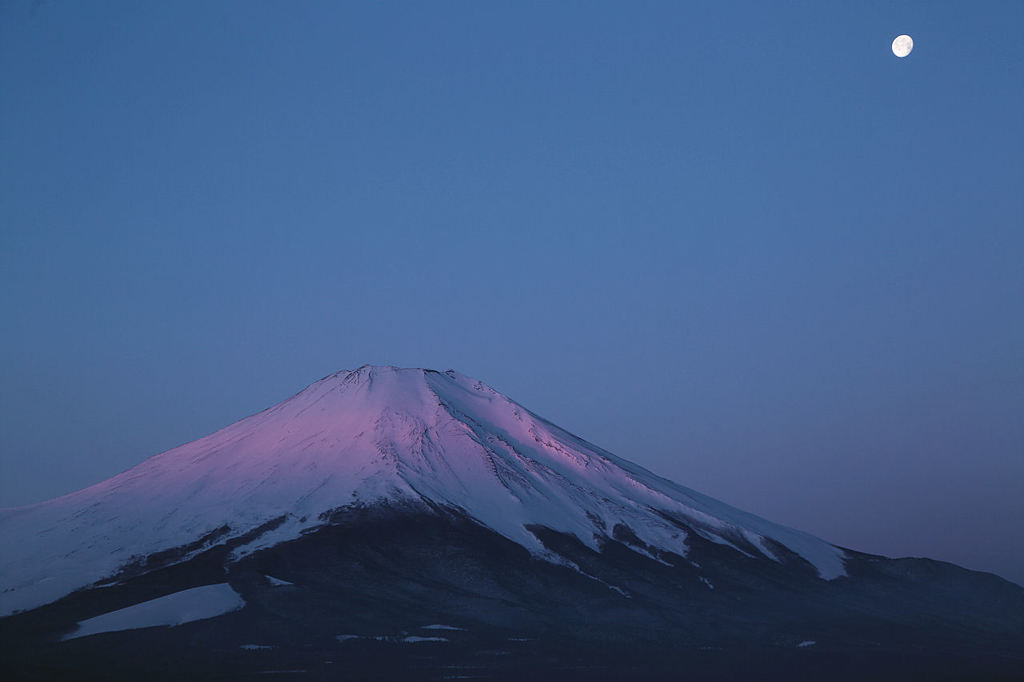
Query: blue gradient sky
[[739, 243]]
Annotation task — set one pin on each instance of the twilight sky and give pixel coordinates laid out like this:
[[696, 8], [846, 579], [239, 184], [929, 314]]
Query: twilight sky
[[740, 243]]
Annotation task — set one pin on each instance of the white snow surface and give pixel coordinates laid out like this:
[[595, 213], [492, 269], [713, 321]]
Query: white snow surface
[[356, 438], [186, 606]]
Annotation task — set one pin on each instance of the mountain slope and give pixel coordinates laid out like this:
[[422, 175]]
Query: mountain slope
[[357, 438], [411, 524]]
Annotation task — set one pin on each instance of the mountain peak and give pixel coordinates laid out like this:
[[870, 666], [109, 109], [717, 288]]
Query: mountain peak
[[361, 437]]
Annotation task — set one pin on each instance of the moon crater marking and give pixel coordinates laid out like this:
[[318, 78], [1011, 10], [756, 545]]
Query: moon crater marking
[[902, 45]]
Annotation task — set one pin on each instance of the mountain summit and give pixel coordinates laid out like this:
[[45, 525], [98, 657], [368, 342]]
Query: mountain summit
[[381, 509], [357, 438]]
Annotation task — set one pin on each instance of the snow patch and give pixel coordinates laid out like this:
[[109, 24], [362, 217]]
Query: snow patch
[[643, 552], [572, 565], [414, 639], [438, 626], [256, 647], [198, 603], [806, 643], [277, 582]]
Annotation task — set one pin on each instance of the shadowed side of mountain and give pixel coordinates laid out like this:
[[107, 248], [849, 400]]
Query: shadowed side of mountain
[[354, 591]]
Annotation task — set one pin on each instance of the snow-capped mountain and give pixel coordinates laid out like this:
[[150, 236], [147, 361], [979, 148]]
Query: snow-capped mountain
[[412, 524], [358, 438]]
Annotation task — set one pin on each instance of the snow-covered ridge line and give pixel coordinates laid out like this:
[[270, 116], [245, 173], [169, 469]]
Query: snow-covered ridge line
[[356, 438]]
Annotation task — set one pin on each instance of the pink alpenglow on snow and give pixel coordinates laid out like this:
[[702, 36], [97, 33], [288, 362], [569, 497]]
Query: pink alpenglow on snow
[[356, 438]]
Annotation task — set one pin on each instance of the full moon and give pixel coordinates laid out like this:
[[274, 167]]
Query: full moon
[[902, 46]]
